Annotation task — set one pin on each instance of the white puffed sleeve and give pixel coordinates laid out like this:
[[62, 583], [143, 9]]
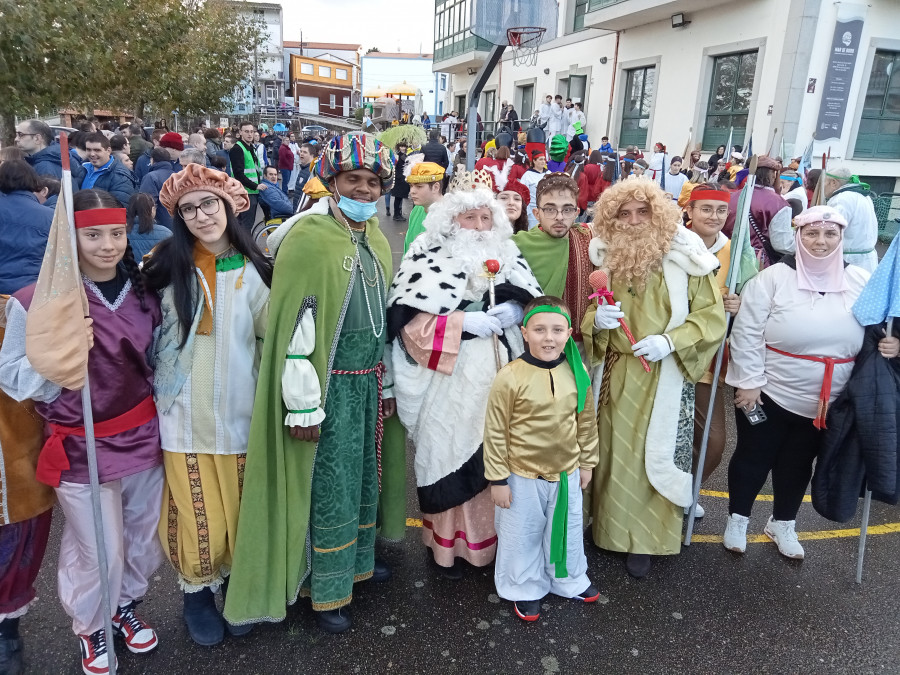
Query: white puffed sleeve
[[299, 382]]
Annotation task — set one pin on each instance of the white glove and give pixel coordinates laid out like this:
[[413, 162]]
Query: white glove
[[653, 347], [508, 313], [481, 325], [608, 316]]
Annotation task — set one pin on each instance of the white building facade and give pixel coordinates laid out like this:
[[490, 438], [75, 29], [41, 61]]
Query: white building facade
[[687, 72], [267, 82]]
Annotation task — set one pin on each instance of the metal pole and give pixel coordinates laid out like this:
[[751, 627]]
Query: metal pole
[[863, 531], [867, 503], [742, 232], [474, 95], [91, 448]]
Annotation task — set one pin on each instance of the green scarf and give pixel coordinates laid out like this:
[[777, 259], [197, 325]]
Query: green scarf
[[548, 258]]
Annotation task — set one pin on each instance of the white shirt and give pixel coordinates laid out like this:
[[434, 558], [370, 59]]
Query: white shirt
[[673, 184], [861, 233], [774, 311], [798, 193], [545, 112]]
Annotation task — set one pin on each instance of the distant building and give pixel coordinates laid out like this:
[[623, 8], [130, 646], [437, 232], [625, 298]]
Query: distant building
[[381, 69], [323, 86], [266, 86], [330, 51]]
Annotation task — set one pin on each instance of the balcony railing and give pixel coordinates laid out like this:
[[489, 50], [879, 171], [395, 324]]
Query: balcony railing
[[470, 43], [600, 4]]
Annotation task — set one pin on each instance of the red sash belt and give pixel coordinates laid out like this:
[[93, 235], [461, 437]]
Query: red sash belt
[[53, 460], [825, 393]]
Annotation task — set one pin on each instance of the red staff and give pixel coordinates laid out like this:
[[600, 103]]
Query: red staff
[[599, 281], [491, 267]]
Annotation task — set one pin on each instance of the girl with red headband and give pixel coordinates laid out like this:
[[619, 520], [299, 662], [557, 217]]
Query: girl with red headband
[[122, 322], [706, 212]]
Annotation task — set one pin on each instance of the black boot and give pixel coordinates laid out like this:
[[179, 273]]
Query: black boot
[[381, 572], [12, 651], [334, 620], [205, 624], [233, 630], [638, 564]]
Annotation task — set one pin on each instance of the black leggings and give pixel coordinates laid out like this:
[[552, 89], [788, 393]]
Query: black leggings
[[785, 444]]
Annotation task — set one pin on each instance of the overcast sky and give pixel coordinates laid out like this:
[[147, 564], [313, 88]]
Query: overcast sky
[[390, 25]]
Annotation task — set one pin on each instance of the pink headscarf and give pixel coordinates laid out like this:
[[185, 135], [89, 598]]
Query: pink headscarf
[[821, 275]]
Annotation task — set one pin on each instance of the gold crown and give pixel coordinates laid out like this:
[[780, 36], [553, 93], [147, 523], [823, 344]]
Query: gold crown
[[466, 181]]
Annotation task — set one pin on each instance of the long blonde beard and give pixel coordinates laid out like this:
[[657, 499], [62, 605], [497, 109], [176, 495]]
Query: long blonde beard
[[631, 257]]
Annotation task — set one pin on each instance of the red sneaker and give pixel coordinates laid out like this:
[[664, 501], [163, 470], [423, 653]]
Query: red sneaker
[[590, 594], [139, 636], [94, 656], [528, 610]]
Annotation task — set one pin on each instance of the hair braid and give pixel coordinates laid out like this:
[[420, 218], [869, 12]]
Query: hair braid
[[134, 273]]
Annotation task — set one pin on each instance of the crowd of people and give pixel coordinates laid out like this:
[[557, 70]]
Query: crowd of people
[[253, 408]]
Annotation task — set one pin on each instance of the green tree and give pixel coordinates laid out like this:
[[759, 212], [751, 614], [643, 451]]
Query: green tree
[[123, 55]]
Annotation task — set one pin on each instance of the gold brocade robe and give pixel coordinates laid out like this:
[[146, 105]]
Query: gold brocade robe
[[629, 514]]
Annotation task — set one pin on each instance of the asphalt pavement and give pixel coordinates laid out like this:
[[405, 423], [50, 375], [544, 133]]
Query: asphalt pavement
[[704, 611]]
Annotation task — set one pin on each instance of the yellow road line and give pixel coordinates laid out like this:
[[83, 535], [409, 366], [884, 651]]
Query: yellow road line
[[759, 498], [887, 528]]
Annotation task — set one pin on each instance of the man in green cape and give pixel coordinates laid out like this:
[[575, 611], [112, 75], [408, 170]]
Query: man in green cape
[[322, 439], [557, 250]]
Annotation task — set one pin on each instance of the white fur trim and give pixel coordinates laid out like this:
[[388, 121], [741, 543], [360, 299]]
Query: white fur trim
[[273, 241], [444, 414], [687, 251], [501, 176], [687, 256], [431, 281], [411, 161]]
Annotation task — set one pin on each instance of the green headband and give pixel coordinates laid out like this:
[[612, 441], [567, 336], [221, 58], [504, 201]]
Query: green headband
[[582, 379], [852, 179], [541, 309]]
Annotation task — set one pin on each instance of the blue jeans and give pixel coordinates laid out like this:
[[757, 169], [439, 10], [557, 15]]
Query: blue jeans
[[285, 179]]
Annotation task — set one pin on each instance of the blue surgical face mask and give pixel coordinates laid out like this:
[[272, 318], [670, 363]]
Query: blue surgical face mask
[[357, 211]]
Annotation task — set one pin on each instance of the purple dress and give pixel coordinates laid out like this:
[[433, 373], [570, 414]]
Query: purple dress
[[120, 377]]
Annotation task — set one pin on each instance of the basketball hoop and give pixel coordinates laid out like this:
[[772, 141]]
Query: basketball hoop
[[525, 42]]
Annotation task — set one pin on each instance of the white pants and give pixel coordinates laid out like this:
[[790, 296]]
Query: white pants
[[523, 570], [131, 508]]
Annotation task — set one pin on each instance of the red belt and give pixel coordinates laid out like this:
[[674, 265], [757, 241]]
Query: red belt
[[53, 460], [379, 422], [825, 393]]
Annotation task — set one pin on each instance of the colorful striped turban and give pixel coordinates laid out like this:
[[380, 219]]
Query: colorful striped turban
[[356, 151]]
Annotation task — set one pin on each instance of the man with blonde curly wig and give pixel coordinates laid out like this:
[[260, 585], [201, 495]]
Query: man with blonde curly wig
[[660, 276]]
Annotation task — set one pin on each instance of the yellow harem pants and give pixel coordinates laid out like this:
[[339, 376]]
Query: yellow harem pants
[[198, 527]]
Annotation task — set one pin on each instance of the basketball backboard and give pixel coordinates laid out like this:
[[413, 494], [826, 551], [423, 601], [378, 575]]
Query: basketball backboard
[[491, 19]]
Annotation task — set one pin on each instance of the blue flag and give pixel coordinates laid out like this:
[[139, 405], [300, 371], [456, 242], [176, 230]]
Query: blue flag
[[880, 299]]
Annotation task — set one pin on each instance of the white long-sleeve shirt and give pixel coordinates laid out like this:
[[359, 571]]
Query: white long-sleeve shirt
[[774, 311]]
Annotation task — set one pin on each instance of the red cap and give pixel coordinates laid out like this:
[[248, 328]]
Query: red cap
[[172, 140]]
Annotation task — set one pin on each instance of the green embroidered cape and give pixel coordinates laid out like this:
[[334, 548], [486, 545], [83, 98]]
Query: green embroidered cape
[[271, 558]]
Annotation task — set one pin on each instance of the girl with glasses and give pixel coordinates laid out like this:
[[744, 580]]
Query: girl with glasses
[[214, 284]]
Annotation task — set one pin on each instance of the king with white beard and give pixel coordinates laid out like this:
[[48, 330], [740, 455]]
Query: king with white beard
[[442, 333]]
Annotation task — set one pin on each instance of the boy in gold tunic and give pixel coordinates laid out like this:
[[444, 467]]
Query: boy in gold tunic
[[540, 448]]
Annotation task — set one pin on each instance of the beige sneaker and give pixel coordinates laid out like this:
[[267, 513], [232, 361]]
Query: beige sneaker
[[782, 533]]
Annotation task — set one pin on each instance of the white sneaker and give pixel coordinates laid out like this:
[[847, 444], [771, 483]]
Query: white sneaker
[[699, 511], [735, 538], [782, 533]]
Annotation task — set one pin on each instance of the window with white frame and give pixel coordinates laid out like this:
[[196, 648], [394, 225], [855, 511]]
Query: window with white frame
[[332, 101], [306, 69], [340, 73], [324, 71]]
